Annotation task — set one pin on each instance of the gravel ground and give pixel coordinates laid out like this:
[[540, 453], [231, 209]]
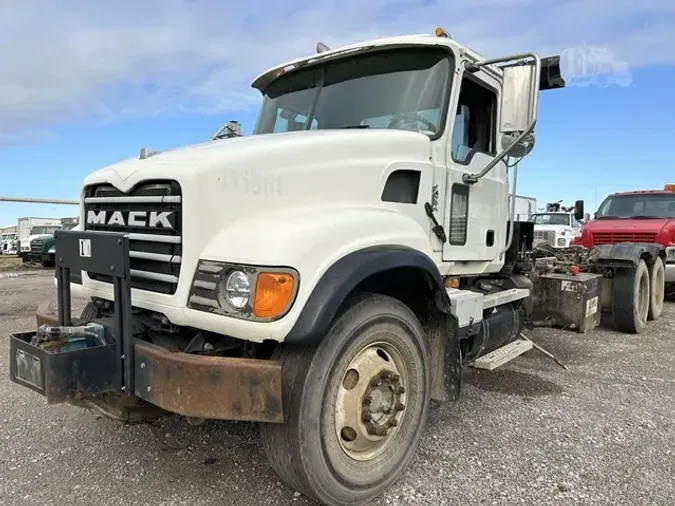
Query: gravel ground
[[601, 432]]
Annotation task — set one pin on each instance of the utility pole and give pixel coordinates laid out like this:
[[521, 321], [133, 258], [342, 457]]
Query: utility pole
[[28, 200]]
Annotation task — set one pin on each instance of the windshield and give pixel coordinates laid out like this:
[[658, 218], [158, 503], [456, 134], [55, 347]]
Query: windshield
[[657, 205], [400, 89], [44, 230], [551, 219]]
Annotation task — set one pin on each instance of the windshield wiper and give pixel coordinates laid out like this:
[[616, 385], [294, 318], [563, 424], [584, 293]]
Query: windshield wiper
[[644, 217], [356, 126]]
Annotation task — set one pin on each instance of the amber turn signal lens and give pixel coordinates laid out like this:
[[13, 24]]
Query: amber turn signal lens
[[273, 291], [452, 283]]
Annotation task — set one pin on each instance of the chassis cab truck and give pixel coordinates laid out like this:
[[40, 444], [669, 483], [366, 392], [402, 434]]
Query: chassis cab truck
[[636, 216], [326, 276]]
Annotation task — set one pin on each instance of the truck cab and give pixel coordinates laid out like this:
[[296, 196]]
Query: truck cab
[[32, 248], [557, 229], [635, 217], [6, 243]]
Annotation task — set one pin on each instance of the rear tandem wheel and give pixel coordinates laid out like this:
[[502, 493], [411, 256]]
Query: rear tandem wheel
[[630, 298], [657, 288]]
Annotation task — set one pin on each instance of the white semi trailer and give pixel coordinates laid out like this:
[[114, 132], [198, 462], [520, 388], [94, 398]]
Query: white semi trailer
[[525, 207], [31, 228]]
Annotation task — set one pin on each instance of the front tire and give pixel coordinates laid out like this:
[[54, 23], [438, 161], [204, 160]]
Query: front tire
[[355, 404]]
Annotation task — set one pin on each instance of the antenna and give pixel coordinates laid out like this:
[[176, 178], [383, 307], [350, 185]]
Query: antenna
[[321, 47]]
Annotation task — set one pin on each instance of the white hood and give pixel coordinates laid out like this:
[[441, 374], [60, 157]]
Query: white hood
[[269, 154]]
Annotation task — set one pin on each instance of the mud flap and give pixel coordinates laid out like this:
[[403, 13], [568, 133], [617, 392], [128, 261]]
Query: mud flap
[[445, 359]]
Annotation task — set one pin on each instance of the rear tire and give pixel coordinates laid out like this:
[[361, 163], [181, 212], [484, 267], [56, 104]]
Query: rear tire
[[657, 289], [630, 298], [339, 444]]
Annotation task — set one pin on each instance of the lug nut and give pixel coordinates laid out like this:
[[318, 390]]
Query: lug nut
[[400, 390], [367, 399], [393, 422], [381, 431], [399, 406]]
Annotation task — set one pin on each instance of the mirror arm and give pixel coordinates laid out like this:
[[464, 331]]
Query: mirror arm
[[473, 178], [472, 67]]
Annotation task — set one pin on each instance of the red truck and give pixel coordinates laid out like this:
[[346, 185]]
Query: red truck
[[638, 217]]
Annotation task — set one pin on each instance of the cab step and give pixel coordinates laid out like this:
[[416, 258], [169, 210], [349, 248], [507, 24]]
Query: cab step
[[502, 355]]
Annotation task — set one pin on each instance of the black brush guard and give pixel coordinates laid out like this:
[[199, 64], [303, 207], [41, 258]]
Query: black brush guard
[[73, 375], [226, 388]]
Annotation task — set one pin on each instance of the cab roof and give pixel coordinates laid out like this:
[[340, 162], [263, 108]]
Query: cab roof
[[432, 40], [641, 192]]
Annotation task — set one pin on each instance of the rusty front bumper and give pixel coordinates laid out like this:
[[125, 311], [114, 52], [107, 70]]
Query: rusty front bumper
[[209, 387], [192, 385]]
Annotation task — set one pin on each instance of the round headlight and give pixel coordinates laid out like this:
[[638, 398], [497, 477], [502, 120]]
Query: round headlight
[[237, 289]]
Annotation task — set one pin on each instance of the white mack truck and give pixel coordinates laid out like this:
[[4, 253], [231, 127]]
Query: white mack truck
[[330, 274]]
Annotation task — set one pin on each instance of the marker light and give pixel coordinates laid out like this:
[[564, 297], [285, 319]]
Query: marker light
[[442, 33]]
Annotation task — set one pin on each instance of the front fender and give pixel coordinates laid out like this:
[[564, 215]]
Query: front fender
[[626, 254], [313, 240]]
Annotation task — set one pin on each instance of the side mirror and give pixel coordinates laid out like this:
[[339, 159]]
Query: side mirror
[[521, 82], [520, 87], [579, 210], [519, 108]]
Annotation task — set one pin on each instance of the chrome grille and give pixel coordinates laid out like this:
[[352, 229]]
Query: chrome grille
[[617, 237], [36, 245], [155, 251], [545, 235]]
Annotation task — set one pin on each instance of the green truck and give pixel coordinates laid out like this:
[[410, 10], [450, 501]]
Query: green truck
[[42, 248]]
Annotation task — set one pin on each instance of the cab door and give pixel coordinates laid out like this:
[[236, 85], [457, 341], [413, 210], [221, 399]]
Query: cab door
[[475, 215]]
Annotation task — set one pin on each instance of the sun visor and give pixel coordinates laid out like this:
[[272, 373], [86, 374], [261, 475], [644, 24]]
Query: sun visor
[[551, 77]]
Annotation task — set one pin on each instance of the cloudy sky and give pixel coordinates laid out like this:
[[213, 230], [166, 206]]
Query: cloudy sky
[[85, 83]]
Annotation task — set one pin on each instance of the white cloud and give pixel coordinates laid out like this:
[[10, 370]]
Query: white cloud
[[80, 59]]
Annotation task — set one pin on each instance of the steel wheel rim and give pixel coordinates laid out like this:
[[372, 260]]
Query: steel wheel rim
[[644, 295], [658, 285], [371, 401]]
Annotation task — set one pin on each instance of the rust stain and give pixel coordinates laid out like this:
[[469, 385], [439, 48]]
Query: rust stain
[[209, 387]]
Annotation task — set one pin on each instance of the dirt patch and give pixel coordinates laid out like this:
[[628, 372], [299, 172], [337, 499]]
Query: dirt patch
[[14, 263], [510, 382]]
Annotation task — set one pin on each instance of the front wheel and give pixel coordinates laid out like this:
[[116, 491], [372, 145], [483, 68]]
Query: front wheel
[[355, 404]]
